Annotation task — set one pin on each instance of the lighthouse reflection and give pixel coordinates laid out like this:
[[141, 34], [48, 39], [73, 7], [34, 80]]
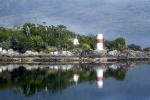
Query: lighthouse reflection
[[56, 78], [99, 74]]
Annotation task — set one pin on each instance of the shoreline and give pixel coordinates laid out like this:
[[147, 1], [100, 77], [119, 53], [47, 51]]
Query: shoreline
[[46, 58]]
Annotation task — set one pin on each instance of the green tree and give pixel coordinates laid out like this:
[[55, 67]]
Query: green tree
[[120, 43], [62, 27], [17, 27], [134, 47], [146, 49], [92, 39], [117, 44]]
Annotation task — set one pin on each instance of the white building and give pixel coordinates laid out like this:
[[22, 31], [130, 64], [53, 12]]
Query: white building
[[74, 40]]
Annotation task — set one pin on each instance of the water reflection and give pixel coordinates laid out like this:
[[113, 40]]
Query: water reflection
[[54, 78], [99, 74], [75, 78]]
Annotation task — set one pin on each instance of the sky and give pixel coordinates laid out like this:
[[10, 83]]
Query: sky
[[129, 19]]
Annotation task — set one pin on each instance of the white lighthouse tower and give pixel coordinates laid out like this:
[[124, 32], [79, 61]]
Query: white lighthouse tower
[[99, 44]]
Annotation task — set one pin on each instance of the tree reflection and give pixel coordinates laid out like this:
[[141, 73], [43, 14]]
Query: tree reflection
[[50, 80], [118, 74]]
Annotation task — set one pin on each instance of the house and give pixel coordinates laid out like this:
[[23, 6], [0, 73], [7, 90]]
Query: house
[[74, 40]]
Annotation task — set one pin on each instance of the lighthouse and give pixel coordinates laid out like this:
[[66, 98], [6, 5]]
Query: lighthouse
[[99, 44]]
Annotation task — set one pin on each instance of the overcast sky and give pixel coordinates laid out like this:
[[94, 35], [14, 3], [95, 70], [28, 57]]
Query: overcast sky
[[129, 19]]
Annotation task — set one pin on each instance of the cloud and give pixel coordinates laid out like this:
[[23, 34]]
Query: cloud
[[114, 18]]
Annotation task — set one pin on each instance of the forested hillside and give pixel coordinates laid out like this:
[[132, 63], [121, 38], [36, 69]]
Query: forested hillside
[[43, 38]]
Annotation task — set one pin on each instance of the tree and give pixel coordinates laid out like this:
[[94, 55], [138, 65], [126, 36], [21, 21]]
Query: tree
[[17, 27], [38, 43], [146, 49], [120, 43], [134, 47], [62, 27], [5, 34], [117, 44], [92, 39], [21, 43], [44, 23]]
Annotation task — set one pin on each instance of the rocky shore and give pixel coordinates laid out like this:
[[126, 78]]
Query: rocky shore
[[86, 56], [69, 59]]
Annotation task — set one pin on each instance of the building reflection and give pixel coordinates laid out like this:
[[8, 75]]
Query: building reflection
[[75, 78], [99, 74]]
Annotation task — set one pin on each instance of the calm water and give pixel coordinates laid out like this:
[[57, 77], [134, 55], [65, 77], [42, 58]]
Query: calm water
[[127, 81]]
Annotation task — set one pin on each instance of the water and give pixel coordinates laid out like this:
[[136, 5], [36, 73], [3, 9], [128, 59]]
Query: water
[[121, 81]]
